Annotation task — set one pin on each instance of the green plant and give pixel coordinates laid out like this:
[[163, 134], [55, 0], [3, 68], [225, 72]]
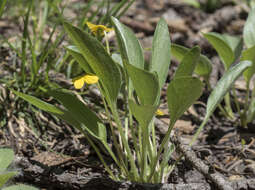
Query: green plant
[[2, 6], [6, 158], [230, 49], [38, 54], [251, 3], [208, 5], [138, 155], [37, 51]]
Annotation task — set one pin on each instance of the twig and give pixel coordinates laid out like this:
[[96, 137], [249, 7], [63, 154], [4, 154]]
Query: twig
[[214, 176]]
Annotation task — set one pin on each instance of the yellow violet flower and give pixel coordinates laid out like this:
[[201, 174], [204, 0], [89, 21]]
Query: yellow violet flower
[[89, 79], [98, 29], [159, 112]]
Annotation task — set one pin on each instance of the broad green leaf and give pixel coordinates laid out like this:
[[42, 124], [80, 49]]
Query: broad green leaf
[[161, 58], [130, 48], [235, 43], [62, 114], [117, 58], [38, 103], [98, 59], [248, 31], [252, 4], [5, 176], [251, 111], [6, 158], [193, 3], [20, 187], [181, 94], [188, 63], [178, 51], [228, 47], [145, 84], [220, 90], [143, 113], [80, 112], [74, 51], [204, 65], [249, 55]]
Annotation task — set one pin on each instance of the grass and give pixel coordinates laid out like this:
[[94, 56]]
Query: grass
[[36, 49]]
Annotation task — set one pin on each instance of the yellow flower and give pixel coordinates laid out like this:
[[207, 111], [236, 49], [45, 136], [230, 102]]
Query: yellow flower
[[159, 112], [89, 79], [98, 29]]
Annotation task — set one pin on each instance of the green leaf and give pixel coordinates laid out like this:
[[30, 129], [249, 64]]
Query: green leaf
[[251, 111], [204, 65], [130, 48], [235, 43], [178, 51], [248, 31], [98, 59], [80, 112], [145, 84], [20, 187], [38, 103], [193, 3], [62, 114], [220, 90], [161, 46], [143, 113], [4, 177], [249, 55], [74, 51], [117, 58], [188, 63], [228, 47], [6, 158], [2, 6], [181, 94], [224, 85]]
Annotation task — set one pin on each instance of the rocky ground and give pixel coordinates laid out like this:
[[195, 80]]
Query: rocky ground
[[58, 157]]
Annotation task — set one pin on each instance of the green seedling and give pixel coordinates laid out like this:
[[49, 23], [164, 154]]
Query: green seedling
[[138, 156], [230, 49], [208, 5], [6, 158]]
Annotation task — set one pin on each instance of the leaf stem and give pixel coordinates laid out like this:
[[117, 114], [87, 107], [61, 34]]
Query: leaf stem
[[100, 157], [165, 140], [134, 171]]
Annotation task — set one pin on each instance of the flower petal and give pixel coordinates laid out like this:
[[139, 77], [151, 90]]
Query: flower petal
[[90, 79], [78, 84], [98, 28], [90, 25], [159, 112]]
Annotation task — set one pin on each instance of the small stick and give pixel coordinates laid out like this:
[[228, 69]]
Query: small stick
[[190, 155]]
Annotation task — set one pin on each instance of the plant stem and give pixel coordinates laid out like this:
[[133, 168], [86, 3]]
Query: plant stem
[[246, 106], [107, 43], [237, 105], [125, 142], [223, 111], [115, 142], [100, 156], [228, 106], [165, 140]]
